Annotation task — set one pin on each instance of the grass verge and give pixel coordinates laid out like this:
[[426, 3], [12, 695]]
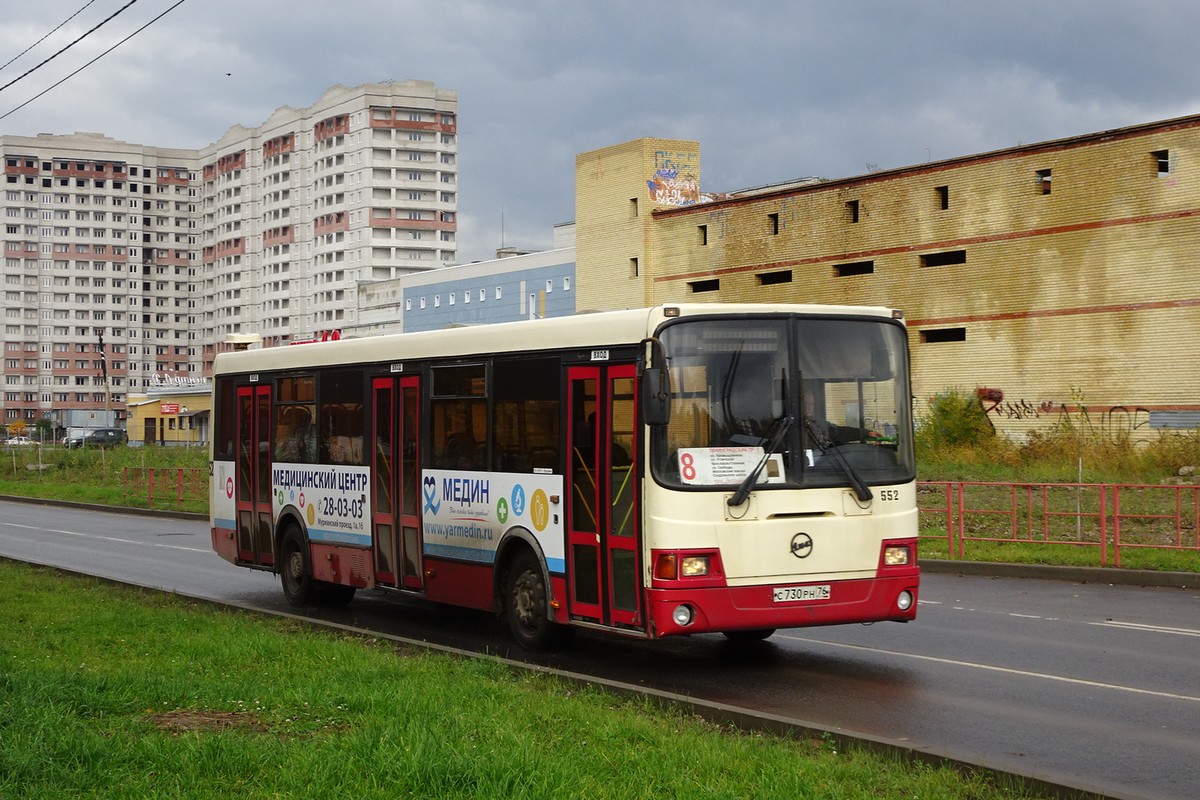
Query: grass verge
[[105, 476], [112, 692]]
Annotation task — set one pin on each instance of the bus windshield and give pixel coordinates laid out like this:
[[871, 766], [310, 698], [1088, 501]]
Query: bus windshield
[[809, 401]]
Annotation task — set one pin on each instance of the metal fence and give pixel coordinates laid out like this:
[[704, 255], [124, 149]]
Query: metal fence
[[1112, 519], [180, 488]]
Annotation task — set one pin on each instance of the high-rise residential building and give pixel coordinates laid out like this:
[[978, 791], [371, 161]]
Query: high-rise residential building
[[361, 186], [127, 265], [99, 269]]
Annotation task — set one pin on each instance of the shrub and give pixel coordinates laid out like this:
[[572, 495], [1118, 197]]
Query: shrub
[[954, 420]]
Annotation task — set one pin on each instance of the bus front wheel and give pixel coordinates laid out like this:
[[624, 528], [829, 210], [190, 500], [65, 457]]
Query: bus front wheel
[[526, 603]]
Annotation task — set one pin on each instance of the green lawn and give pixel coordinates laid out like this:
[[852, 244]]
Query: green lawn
[[110, 692]]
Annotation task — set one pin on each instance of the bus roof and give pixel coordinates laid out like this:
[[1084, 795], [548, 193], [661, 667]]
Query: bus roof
[[598, 329]]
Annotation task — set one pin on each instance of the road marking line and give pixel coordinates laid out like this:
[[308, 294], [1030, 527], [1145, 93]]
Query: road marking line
[[1136, 626], [104, 538], [1006, 670]]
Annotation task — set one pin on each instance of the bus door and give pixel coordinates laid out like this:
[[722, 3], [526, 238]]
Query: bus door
[[253, 493], [395, 464], [602, 513]]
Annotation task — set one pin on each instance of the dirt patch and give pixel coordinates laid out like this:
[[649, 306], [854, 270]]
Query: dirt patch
[[177, 722]]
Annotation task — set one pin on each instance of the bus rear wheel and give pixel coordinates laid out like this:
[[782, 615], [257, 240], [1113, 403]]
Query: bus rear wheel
[[299, 586], [294, 572], [526, 603]]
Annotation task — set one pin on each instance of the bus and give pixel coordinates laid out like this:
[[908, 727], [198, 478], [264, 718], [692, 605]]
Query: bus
[[682, 469]]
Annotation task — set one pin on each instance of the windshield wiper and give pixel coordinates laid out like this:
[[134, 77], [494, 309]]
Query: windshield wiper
[[778, 429], [861, 490]]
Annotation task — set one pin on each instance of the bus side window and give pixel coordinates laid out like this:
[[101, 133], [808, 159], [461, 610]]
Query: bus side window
[[341, 433], [526, 415], [341, 416], [458, 416], [295, 435], [459, 434]]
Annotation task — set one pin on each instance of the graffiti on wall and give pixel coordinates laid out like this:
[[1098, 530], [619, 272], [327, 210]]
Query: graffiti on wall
[[1115, 422], [675, 181]]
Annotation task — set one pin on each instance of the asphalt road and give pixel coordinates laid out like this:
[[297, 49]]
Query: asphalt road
[[1092, 686]]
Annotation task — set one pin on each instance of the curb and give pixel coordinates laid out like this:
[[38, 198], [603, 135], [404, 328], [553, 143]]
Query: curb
[[141, 512], [1115, 576]]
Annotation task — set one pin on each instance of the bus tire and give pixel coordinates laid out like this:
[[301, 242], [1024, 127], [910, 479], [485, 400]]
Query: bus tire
[[526, 603], [756, 635], [295, 573]]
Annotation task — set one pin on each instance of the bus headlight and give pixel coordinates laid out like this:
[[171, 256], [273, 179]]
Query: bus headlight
[[693, 566], [895, 556], [682, 615], [904, 601]]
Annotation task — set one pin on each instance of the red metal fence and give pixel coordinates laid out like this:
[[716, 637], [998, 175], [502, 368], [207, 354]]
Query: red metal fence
[[174, 487], [1112, 519]]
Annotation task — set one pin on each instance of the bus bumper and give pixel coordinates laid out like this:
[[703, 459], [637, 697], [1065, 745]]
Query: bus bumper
[[891, 598], [224, 543]]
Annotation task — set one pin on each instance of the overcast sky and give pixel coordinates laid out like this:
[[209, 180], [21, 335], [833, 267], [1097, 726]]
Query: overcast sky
[[773, 91]]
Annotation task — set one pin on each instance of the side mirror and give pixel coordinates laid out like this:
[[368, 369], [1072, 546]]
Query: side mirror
[[656, 397], [655, 385]]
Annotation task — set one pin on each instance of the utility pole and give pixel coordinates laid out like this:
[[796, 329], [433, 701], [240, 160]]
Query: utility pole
[[104, 376]]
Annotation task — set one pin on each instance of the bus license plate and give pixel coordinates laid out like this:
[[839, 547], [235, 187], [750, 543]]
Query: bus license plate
[[799, 594]]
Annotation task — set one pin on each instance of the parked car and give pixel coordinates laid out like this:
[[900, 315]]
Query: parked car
[[20, 440], [99, 437]]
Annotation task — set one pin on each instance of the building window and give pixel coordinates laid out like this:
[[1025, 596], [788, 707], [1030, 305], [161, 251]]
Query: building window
[[1162, 158], [633, 208], [633, 267], [854, 268], [939, 335], [703, 229], [709, 285], [944, 259], [771, 278], [773, 224], [943, 196], [1043, 181], [852, 209]]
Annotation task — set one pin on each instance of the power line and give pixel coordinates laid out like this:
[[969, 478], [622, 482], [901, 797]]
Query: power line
[[93, 61], [68, 47], [47, 36]]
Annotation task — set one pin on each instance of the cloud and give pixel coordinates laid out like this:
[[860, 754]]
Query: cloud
[[773, 90]]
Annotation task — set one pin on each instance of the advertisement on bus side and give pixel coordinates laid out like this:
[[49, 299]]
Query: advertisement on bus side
[[333, 500], [465, 514]]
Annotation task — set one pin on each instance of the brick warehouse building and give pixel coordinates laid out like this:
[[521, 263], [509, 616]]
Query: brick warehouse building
[[1051, 277]]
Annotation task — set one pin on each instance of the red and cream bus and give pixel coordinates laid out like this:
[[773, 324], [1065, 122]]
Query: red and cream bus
[[655, 472]]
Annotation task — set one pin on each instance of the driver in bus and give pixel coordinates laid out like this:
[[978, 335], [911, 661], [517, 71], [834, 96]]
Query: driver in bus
[[831, 433]]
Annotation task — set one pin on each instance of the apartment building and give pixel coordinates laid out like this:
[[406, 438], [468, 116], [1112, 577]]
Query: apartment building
[[99, 242], [127, 265], [301, 211]]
